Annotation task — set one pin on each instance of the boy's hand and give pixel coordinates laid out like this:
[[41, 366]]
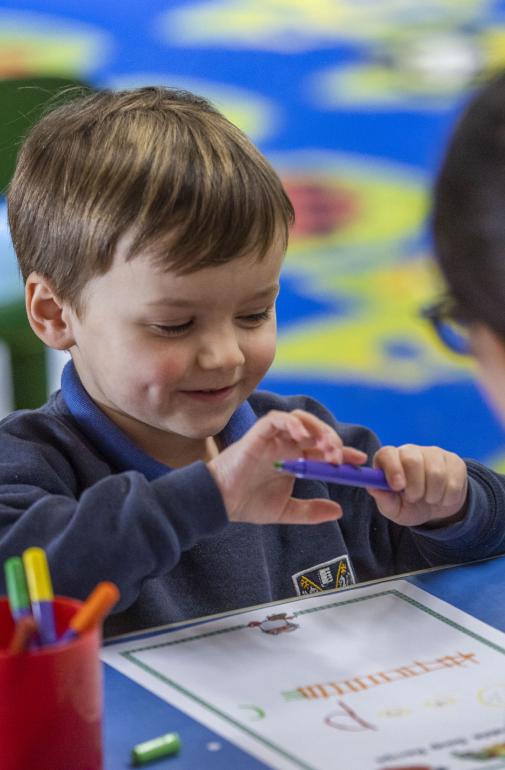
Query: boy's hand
[[432, 485], [255, 492]]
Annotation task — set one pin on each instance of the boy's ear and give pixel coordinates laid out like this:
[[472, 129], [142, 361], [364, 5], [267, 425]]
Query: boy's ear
[[49, 317]]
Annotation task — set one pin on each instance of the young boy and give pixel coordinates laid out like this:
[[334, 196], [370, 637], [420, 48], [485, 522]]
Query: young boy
[[151, 234]]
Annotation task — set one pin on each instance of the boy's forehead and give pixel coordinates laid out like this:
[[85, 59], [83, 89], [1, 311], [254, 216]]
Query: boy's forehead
[[266, 292], [155, 284]]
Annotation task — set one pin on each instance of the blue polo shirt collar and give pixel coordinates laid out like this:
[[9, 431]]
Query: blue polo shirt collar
[[115, 444]]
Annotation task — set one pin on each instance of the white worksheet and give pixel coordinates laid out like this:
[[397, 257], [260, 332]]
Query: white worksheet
[[379, 676]]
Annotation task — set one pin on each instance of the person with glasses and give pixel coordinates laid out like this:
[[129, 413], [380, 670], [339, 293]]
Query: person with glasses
[[449, 324], [469, 240]]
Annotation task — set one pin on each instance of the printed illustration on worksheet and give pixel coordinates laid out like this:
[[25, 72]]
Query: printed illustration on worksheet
[[386, 677]]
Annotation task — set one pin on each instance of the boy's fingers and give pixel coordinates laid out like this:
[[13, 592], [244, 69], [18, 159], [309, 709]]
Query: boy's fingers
[[456, 488], [413, 463], [274, 423], [310, 420], [329, 443], [312, 437], [388, 503], [436, 475], [317, 427], [297, 429], [314, 511], [311, 433], [388, 460], [291, 422], [354, 456]]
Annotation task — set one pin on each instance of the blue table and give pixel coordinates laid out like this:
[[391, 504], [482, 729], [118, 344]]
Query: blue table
[[477, 588]]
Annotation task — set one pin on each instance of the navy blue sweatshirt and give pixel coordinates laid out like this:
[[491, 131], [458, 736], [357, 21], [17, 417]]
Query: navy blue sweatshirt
[[72, 482]]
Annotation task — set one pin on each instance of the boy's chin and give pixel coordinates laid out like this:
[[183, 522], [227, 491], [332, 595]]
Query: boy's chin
[[202, 434], [198, 432]]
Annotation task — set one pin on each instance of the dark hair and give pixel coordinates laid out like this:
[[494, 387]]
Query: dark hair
[[469, 208], [159, 163]]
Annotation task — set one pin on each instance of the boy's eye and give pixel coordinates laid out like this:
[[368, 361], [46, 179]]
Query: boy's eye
[[251, 319], [173, 331], [257, 318]]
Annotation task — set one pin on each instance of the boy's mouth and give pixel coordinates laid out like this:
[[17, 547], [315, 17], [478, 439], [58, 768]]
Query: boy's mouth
[[210, 394]]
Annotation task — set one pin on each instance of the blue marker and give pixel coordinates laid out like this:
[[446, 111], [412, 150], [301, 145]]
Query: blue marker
[[41, 593], [17, 589], [350, 475]]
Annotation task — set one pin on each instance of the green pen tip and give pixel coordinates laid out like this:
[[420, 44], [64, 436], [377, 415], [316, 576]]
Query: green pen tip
[[17, 589], [278, 464]]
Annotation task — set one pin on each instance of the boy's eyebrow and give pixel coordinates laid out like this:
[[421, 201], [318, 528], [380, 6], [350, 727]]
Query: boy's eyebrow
[[269, 291]]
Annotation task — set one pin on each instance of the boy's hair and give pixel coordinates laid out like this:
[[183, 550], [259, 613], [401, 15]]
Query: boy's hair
[[160, 163], [469, 209]]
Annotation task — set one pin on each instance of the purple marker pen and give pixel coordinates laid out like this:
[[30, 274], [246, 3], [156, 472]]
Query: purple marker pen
[[350, 475]]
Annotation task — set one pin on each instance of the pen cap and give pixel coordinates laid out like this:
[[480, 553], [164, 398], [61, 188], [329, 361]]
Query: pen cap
[[15, 581], [37, 575]]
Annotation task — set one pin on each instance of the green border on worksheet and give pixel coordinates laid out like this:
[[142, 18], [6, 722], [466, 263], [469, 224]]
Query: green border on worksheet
[[131, 656]]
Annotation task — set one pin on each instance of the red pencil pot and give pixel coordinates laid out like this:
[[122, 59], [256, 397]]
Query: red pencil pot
[[51, 699]]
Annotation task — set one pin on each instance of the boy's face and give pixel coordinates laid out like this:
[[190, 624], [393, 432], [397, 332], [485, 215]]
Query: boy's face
[[161, 352]]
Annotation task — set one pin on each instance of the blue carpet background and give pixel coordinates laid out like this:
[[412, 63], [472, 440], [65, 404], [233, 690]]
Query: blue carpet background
[[352, 102]]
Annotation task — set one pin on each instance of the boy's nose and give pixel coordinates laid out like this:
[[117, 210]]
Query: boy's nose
[[221, 351]]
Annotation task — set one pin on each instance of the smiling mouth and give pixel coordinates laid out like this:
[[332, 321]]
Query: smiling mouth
[[210, 392]]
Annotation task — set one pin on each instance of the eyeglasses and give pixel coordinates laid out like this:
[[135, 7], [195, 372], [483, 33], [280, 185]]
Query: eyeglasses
[[450, 325]]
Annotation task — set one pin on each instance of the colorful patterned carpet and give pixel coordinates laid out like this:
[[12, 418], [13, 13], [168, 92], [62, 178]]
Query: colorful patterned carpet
[[352, 101]]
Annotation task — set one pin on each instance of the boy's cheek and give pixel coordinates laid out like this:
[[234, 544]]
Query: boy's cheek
[[157, 371], [263, 358]]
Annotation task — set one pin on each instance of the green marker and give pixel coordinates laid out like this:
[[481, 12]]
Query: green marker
[[17, 588], [164, 746]]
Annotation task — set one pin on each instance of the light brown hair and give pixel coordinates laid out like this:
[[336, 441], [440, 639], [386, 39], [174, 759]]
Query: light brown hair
[[160, 163]]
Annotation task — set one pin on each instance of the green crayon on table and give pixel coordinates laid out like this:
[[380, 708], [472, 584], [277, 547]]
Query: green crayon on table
[[164, 746]]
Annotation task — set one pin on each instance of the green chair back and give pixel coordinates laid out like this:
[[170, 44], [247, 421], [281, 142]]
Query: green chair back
[[22, 102]]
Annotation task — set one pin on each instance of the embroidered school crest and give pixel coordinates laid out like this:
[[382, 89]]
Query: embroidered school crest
[[336, 573]]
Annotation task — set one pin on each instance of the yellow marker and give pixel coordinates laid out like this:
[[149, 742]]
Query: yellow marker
[[41, 593]]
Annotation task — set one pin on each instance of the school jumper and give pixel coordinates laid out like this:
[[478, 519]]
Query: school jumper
[[72, 482]]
